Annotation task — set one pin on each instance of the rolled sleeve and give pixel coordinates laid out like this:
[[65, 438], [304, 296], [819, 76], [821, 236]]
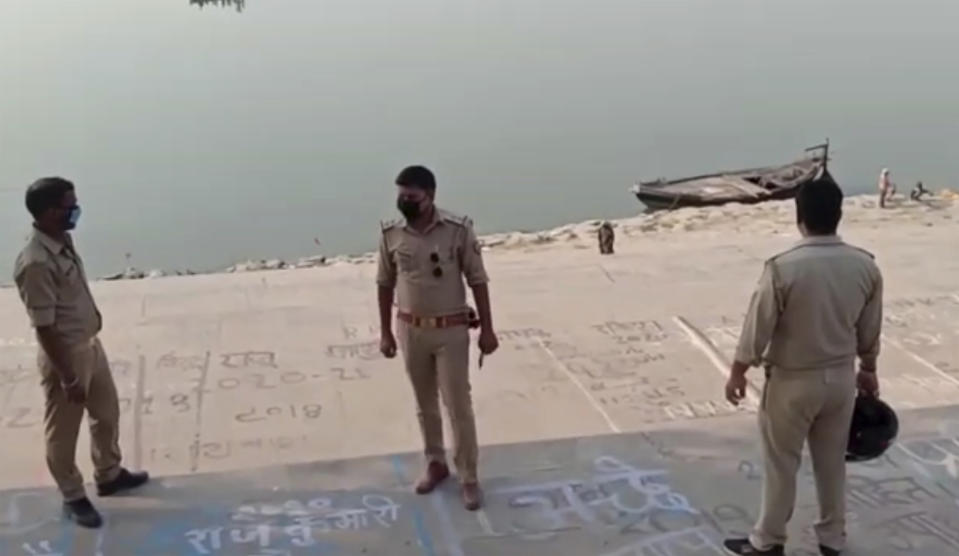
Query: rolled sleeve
[[869, 326], [761, 319], [472, 258], [38, 291], [386, 266]]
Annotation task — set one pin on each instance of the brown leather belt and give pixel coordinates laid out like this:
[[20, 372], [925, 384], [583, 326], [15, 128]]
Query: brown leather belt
[[447, 321]]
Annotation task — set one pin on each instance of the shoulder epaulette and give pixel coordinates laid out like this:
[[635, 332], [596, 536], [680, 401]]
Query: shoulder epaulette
[[786, 252], [387, 225], [860, 249], [456, 219]]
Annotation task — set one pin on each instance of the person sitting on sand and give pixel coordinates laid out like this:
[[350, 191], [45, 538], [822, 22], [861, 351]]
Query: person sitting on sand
[[886, 188], [918, 192], [606, 238]]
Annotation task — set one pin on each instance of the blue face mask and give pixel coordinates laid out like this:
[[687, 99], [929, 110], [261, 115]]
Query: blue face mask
[[73, 216]]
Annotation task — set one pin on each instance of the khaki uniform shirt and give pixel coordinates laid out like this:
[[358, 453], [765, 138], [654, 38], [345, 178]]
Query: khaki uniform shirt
[[53, 286], [408, 261], [817, 306]]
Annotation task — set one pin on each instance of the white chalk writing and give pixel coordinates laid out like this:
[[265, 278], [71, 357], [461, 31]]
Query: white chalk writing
[[688, 542], [365, 350], [885, 493], [940, 452], [561, 505], [906, 531], [295, 521]]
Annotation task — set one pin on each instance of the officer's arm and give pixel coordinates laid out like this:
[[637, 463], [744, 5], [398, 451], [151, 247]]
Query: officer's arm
[[38, 292], [869, 328], [471, 257], [483, 306], [761, 320], [385, 285]]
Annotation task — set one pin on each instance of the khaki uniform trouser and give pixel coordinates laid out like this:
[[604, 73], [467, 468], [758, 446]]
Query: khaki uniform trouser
[[796, 405], [62, 419], [437, 362]]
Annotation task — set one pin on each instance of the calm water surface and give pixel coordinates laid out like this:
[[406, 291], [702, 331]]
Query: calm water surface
[[202, 137]]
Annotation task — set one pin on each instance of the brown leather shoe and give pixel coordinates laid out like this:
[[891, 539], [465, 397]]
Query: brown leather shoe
[[436, 473], [472, 496]]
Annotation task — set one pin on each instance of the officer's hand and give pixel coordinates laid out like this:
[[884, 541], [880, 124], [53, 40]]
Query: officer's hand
[[868, 383], [488, 343], [75, 393], [388, 345], [736, 388]]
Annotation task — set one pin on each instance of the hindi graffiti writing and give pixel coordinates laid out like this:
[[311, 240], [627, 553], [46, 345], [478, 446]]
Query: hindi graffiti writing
[[914, 531], [41, 548], [936, 453], [639, 331], [521, 334], [295, 522], [224, 449], [617, 495], [700, 409], [254, 414], [865, 492], [21, 418], [10, 377], [367, 351], [171, 360], [353, 332], [248, 359], [30, 342], [696, 541]]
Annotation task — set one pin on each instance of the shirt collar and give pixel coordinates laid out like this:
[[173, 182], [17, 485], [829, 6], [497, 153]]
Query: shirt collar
[[820, 240], [52, 244], [435, 221]]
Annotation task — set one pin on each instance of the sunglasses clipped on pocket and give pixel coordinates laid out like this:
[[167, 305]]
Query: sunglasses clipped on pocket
[[435, 259]]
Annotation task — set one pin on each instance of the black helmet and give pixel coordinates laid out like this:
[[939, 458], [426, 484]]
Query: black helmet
[[874, 429]]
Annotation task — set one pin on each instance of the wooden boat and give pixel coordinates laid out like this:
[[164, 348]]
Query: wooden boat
[[749, 186]]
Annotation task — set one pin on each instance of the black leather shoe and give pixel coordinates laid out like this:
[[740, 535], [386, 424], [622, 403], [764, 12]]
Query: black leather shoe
[[742, 547], [124, 481], [826, 551], [82, 513]]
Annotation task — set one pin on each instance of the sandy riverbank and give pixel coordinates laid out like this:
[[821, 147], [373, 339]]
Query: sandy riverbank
[[772, 218]]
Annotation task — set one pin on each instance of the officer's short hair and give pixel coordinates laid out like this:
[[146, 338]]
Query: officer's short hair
[[46, 193], [819, 207], [419, 177]]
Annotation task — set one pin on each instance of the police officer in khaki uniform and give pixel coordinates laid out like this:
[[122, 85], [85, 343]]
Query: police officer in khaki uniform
[[73, 367], [817, 307], [423, 259]]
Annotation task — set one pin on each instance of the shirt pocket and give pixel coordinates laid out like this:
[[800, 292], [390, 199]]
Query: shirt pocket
[[405, 260], [71, 281], [449, 260]]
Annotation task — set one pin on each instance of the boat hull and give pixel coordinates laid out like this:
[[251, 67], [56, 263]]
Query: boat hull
[[655, 200], [743, 186]]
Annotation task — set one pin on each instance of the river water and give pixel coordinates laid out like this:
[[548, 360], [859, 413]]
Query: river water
[[199, 137]]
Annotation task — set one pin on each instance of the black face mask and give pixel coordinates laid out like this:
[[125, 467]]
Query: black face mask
[[409, 208]]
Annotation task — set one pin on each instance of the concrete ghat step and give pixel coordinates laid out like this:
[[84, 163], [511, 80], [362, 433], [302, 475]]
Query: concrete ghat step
[[675, 491]]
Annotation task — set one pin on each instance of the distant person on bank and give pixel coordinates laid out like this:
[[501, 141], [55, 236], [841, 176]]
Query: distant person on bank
[[886, 187], [74, 371], [818, 307]]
